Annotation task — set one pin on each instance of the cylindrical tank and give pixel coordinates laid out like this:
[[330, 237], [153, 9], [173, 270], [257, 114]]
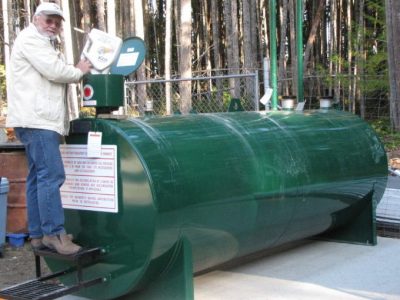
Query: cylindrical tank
[[230, 183]]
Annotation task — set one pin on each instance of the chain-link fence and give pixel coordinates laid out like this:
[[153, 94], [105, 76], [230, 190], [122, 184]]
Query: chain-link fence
[[367, 94], [208, 94]]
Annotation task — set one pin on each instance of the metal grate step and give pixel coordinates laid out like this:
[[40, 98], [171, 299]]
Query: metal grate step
[[34, 289], [41, 290], [48, 287]]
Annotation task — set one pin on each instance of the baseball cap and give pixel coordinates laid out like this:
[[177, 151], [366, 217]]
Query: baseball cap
[[49, 8]]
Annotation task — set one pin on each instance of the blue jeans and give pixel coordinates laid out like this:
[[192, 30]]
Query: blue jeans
[[45, 177]]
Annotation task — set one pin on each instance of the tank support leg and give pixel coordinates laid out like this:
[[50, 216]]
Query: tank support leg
[[176, 281], [362, 228]]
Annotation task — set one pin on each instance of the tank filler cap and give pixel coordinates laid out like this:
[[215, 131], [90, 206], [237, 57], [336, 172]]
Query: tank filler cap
[[131, 56], [288, 102], [110, 55], [325, 102]]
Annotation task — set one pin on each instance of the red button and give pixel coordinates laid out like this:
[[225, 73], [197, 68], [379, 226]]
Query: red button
[[87, 91]]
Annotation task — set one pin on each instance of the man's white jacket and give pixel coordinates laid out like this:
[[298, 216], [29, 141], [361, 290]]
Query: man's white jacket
[[36, 85]]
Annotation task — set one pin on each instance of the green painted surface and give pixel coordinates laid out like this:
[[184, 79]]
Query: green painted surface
[[108, 90], [300, 50], [230, 184], [235, 105], [273, 54]]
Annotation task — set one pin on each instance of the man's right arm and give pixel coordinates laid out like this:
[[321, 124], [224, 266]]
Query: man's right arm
[[84, 65], [49, 64]]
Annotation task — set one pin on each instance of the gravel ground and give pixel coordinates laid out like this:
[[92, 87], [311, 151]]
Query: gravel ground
[[18, 265]]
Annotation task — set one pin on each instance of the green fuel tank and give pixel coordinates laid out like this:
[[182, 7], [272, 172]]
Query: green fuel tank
[[195, 191]]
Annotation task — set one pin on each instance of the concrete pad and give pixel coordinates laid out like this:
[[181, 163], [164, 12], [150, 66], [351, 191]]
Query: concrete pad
[[388, 209], [316, 270], [393, 182]]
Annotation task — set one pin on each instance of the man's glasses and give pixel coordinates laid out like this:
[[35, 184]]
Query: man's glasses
[[51, 21]]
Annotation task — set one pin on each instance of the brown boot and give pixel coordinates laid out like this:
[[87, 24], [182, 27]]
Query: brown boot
[[37, 244], [61, 243]]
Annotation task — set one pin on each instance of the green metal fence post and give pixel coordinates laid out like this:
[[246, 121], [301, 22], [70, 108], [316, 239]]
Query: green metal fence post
[[273, 53], [299, 39]]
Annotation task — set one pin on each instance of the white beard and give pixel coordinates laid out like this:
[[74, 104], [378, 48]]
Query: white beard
[[52, 37]]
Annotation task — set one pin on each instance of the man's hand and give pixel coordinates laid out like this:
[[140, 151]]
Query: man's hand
[[84, 65]]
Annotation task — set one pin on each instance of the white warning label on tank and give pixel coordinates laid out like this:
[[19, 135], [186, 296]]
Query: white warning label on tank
[[91, 183]]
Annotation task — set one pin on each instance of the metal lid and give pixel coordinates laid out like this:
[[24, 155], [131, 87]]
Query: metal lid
[[288, 103], [325, 102], [131, 56]]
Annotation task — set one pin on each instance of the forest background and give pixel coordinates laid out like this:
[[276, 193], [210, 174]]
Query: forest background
[[349, 46]]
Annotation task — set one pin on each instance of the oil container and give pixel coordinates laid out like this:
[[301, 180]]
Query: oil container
[[103, 90], [195, 191]]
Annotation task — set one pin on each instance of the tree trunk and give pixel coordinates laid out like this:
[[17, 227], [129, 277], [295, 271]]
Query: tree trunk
[[168, 54], [100, 15], [185, 63], [28, 14], [215, 34], [313, 33], [215, 25], [111, 24], [331, 44], [141, 72], [282, 48], [177, 17], [352, 81], [6, 32], [86, 15], [293, 55], [248, 23], [132, 17], [13, 27], [338, 67], [264, 40], [360, 61], [207, 48], [6, 42], [253, 32], [206, 36], [248, 50], [156, 42], [77, 36], [393, 44], [232, 44], [235, 43]]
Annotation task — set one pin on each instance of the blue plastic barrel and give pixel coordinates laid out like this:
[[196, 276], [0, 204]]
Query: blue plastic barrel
[[4, 187]]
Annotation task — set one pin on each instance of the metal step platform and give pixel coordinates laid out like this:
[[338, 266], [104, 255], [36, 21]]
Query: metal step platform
[[49, 287]]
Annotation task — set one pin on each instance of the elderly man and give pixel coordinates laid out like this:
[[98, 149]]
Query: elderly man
[[37, 109]]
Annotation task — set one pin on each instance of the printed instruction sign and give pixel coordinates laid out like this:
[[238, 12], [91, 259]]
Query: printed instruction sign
[[94, 144], [91, 183]]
